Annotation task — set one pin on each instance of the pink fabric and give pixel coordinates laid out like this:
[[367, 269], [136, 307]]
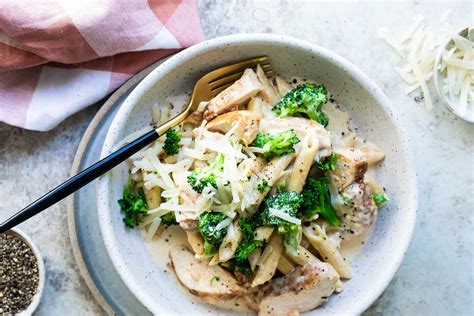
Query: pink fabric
[[57, 57]]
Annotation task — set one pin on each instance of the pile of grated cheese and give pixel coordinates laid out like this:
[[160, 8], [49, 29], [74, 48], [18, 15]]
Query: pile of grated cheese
[[418, 47], [170, 175], [457, 67]]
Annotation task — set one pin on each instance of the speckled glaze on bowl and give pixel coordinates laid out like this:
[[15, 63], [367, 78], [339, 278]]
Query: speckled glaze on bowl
[[371, 113]]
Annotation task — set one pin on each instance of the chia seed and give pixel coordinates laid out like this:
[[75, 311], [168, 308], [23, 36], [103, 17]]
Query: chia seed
[[19, 274]]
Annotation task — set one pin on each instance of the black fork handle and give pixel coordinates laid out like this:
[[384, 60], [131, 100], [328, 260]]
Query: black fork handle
[[79, 180]]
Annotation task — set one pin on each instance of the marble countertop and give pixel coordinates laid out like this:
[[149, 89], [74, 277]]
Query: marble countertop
[[436, 276]]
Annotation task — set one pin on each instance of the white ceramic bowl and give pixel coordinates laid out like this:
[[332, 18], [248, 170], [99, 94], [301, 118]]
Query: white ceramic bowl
[[371, 112], [41, 271]]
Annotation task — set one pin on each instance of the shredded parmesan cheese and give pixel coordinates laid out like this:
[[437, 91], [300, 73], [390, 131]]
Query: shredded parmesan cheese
[[457, 66], [285, 216], [223, 224], [418, 47], [421, 81]]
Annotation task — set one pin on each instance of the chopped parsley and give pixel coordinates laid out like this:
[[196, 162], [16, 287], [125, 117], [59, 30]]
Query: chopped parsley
[[262, 186], [380, 198]]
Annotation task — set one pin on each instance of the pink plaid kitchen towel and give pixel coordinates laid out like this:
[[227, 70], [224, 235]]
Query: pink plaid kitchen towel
[[58, 57]]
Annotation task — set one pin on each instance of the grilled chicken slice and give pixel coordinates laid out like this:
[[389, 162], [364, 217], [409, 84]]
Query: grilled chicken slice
[[239, 92], [304, 289], [356, 208], [210, 283], [350, 167], [189, 223], [247, 129], [195, 118]]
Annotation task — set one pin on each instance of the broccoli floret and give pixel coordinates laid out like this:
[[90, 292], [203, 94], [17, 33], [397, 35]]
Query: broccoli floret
[[291, 237], [276, 145], [207, 227], [380, 198], [202, 177], [327, 163], [169, 219], [288, 202], [249, 243], [133, 205], [306, 100], [262, 186], [235, 265], [172, 140], [317, 199]]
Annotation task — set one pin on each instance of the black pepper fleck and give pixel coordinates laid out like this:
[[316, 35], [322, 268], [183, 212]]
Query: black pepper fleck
[[19, 274]]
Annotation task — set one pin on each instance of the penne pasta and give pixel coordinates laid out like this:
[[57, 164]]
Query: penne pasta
[[373, 184], [230, 243], [284, 265], [195, 241], [264, 233], [304, 256], [283, 87], [153, 197], [153, 228], [273, 170], [254, 256], [270, 174], [268, 261], [303, 162], [250, 167], [348, 140], [284, 178], [152, 222], [339, 287], [373, 153], [327, 250], [268, 93], [215, 260]]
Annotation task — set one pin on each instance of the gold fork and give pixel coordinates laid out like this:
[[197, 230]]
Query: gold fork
[[205, 89], [212, 84]]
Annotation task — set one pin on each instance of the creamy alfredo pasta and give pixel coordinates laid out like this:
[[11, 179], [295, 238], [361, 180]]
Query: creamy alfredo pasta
[[267, 181]]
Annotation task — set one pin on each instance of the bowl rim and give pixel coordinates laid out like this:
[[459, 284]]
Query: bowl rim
[[261, 38], [41, 271]]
